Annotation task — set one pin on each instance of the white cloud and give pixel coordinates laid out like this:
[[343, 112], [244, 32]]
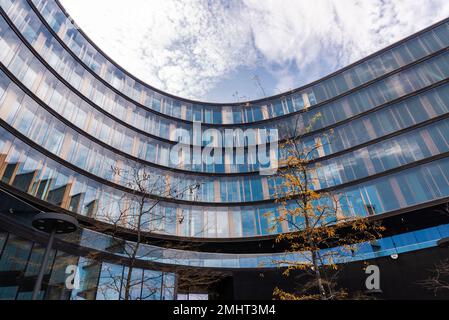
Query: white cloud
[[183, 47], [186, 47], [323, 35]]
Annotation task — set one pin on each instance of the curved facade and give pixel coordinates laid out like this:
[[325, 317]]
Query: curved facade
[[70, 118]]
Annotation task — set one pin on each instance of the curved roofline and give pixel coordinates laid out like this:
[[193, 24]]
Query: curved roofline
[[256, 101]]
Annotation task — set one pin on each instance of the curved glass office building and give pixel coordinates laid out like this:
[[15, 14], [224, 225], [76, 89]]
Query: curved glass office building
[[71, 119]]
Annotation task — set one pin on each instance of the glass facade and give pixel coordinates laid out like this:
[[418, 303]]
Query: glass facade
[[19, 264], [388, 61], [102, 280], [71, 118]]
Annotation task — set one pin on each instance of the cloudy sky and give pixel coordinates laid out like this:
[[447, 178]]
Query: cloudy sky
[[217, 50]]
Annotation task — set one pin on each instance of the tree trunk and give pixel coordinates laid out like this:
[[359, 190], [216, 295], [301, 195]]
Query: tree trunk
[[130, 271], [128, 282], [318, 278], [135, 249]]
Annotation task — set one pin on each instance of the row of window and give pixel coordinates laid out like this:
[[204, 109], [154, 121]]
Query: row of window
[[371, 95], [34, 122], [379, 65], [91, 273], [51, 91], [405, 82], [65, 65], [30, 119], [106, 281], [45, 44], [97, 280], [385, 155], [121, 139], [31, 172], [398, 116], [399, 243]]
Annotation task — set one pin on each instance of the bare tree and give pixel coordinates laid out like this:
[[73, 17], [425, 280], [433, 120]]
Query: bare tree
[[439, 280], [137, 210], [258, 84]]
